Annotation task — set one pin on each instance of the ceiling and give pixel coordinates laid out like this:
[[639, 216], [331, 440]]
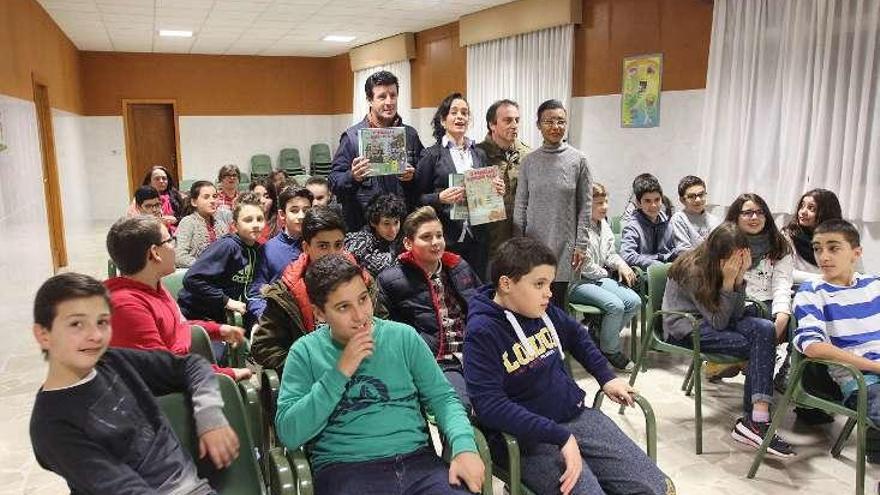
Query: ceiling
[[247, 27]]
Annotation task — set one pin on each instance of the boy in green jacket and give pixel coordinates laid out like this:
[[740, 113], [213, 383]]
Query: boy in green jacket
[[354, 390]]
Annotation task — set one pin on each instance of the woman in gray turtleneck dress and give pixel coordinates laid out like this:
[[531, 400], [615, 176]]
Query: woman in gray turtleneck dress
[[554, 197]]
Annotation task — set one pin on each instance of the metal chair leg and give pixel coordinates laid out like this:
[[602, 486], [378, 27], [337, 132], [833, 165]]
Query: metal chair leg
[[843, 437], [698, 403], [685, 385]]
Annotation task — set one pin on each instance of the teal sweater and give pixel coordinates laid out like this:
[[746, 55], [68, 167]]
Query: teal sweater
[[376, 413]]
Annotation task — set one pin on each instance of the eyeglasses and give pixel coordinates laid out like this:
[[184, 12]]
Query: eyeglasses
[[171, 240], [751, 214], [692, 197], [554, 123], [152, 206]]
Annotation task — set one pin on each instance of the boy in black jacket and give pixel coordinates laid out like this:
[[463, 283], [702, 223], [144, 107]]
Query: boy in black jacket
[[515, 373], [96, 422]]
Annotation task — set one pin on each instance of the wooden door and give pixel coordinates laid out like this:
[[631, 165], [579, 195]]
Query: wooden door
[[151, 138], [51, 183]]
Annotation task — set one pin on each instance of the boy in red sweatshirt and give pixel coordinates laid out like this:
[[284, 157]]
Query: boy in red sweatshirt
[[145, 315]]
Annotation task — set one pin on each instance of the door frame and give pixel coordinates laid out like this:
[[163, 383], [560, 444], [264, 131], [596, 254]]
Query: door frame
[[134, 182], [51, 178]]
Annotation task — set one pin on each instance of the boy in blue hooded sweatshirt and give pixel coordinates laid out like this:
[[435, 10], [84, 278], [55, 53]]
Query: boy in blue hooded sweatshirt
[[514, 368], [219, 280]]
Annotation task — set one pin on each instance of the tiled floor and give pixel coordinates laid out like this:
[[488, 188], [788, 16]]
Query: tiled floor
[[719, 470]]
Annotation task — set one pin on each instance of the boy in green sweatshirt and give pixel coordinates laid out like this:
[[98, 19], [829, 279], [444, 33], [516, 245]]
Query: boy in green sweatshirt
[[353, 391]]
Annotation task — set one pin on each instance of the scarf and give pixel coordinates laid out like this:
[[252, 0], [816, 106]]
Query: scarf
[[759, 244], [803, 245]]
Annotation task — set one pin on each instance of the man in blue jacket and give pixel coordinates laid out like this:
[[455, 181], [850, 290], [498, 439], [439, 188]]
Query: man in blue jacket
[[348, 176], [514, 351]]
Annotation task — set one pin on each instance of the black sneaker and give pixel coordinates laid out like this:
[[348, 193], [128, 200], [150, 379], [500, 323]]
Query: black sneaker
[[620, 362], [749, 433]]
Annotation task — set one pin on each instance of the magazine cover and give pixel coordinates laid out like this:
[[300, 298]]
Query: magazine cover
[[459, 211], [484, 204], [385, 148]]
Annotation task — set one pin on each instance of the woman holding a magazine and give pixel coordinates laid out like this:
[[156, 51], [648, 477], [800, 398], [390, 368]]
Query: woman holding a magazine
[[448, 177]]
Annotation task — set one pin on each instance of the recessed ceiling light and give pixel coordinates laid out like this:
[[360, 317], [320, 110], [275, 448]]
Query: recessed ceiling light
[[338, 38], [171, 33]]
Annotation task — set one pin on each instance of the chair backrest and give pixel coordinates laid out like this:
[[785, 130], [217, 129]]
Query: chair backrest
[[616, 224], [261, 166], [320, 153], [174, 282], [243, 476], [290, 161], [201, 343], [656, 287]]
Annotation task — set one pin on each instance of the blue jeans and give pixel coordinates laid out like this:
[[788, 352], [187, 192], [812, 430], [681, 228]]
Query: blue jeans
[[749, 338], [618, 303], [419, 472], [612, 462], [873, 443]]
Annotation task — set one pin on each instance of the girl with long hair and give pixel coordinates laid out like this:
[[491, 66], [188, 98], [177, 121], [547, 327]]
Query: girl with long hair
[[814, 207], [709, 281]]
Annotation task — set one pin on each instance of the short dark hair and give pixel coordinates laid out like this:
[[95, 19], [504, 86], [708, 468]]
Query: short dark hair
[[317, 180], [381, 78], [129, 240], [385, 206], [196, 188], [442, 112], [245, 199], [416, 219], [145, 193], [842, 227], [64, 287], [687, 182], [319, 219], [549, 105], [645, 185], [326, 275], [290, 192], [518, 256], [492, 112], [228, 169]]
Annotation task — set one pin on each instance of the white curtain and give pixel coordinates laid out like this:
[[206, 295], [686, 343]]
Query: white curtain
[[792, 102], [404, 96], [528, 68]]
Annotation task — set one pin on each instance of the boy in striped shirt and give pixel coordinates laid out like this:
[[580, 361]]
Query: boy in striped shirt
[[839, 317]]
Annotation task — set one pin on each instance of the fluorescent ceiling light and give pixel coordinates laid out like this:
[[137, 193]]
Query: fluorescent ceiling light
[[338, 38], [171, 33]]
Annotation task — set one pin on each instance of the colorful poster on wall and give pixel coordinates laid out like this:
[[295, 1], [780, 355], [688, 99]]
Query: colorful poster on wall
[[640, 98]]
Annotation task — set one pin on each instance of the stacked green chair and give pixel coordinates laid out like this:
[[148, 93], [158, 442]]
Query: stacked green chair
[[112, 271], [244, 475], [320, 160], [261, 167], [653, 340], [289, 161], [244, 182], [185, 185], [856, 418], [302, 179]]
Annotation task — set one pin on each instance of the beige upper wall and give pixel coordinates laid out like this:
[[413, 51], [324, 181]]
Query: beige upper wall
[[515, 18], [32, 43]]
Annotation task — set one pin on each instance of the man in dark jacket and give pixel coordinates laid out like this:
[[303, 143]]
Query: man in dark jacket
[[348, 176], [429, 289]]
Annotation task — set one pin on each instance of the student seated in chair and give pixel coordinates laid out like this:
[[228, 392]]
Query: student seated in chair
[[514, 353], [839, 317], [289, 314], [95, 420], [354, 391], [646, 237], [146, 202], [691, 225], [145, 314], [377, 244], [429, 289], [281, 250], [218, 281]]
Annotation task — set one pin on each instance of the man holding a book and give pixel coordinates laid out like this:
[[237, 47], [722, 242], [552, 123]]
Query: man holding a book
[[353, 180]]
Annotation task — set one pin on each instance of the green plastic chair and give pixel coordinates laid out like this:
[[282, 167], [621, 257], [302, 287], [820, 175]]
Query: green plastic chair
[[616, 224], [856, 418], [653, 340], [244, 476], [201, 343], [302, 179], [261, 166], [185, 185], [112, 271], [290, 161], [174, 282], [320, 154]]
